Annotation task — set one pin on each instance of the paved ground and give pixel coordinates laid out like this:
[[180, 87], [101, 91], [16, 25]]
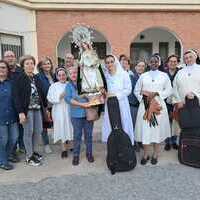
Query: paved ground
[[57, 179]]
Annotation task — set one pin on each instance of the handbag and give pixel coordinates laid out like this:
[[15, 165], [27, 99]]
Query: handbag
[[46, 115], [92, 113]]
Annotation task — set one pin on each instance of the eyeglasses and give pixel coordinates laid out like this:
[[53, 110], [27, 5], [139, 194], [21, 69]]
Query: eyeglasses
[[9, 56]]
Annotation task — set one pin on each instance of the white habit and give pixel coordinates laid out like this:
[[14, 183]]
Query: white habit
[[60, 113], [153, 81], [186, 80], [120, 85]]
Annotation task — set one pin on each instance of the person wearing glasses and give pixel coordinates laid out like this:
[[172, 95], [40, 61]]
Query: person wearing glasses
[[171, 142], [14, 72]]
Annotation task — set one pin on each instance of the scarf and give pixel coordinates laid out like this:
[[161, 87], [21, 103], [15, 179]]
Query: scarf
[[152, 108]]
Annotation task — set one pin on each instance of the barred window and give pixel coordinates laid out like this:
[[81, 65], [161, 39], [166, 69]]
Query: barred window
[[12, 43]]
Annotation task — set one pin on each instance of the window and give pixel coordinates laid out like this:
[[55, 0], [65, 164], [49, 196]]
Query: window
[[140, 52], [178, 49], [61, 62], [13, 43], [163, 50]]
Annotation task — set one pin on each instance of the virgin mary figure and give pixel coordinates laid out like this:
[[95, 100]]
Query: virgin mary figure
[[91, 78]]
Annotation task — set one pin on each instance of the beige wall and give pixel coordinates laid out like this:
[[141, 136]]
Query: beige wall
[[115, 1], [108, 4], [21, 22]]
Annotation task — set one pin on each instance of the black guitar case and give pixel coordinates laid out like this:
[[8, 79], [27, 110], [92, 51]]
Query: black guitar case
[[121, 155], [189, 147]]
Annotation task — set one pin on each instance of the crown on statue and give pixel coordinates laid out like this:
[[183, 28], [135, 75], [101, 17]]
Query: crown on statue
[[81, 34]]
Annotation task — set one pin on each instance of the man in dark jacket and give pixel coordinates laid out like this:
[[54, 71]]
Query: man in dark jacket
[[15, 71], [172, 63], [10, 58], [134, 76]]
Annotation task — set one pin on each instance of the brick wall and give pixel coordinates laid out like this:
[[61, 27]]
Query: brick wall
[[120, 28]]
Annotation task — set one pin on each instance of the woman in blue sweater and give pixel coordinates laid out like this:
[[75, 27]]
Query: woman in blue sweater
[[78, 118], [8, 118]]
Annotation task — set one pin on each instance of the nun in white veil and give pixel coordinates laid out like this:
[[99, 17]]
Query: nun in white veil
[[119, 85]]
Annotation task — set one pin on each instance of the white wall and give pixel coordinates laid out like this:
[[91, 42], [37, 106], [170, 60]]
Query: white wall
[[19, 21]]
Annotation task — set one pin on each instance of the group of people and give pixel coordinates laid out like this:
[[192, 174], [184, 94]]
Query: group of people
[[148, 95]]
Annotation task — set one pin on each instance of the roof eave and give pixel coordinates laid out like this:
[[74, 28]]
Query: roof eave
[[104, 7]]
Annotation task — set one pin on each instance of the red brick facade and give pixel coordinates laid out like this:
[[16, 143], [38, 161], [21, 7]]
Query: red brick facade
[[120, 28]]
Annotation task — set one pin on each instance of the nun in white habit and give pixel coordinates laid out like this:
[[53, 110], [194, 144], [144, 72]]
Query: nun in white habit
[[157, 86], [187, 80], [60, 112], [119, 85]]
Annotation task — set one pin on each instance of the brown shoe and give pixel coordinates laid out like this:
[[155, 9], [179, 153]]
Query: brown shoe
[[69, 145]]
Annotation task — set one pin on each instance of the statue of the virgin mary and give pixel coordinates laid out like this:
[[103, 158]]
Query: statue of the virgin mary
[[91, 79]]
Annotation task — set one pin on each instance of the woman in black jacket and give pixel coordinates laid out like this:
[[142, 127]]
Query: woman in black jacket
[[29, 102]]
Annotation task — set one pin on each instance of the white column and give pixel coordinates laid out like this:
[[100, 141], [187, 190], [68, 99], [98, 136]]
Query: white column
[[0, 47], [30, 38], [155, 46], [171, 47]]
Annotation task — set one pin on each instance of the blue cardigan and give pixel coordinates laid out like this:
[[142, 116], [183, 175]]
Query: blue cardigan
[[133, 101], [44, 82], [8, 113], [72, 93]]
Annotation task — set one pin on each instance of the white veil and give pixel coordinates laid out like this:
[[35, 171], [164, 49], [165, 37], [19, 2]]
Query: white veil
[[118, 67]]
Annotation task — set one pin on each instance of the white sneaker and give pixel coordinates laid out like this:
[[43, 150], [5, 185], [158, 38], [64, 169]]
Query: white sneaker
[[47, 149], [33, 161]]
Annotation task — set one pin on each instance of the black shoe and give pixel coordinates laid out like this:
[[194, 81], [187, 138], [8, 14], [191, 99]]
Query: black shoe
[[175, 146], [21, 151], [64, 154], [33, 161], [167, 147], [154, 161], [37, 156], [90, 158], [144, 160], [13, 159], [137, 147], [140, 145], [75, 160], [6, 166]]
